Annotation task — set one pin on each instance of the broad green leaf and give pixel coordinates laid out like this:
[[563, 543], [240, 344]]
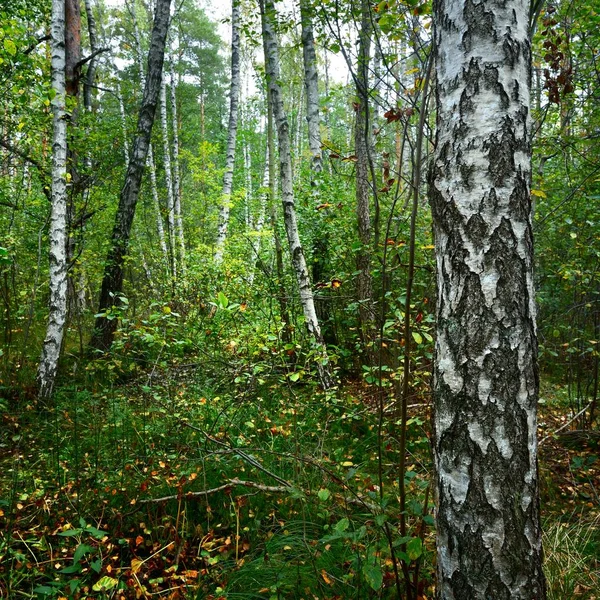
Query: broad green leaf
[[373, 575], [323, 494], [10, 47], [414, 548], [417, 337], [342, 525]]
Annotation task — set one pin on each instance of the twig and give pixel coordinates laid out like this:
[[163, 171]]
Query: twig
[[273, 489], [565, 425]]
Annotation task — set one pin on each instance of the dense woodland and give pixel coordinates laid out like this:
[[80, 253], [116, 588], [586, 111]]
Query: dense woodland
[[219, 240]]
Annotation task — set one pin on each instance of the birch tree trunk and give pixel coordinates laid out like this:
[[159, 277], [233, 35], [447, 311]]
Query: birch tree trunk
[[176, 174], [91, 72], [364, 284], [231, 131], [58, 218], [485, 376], [311, 87], [168, 177], [287, 190], [112, 282]]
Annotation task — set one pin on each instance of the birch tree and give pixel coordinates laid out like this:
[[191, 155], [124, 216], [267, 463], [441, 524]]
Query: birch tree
[[112, 282], [287, 189], [168, 176], [485, 375], [58, 218], [231, 131], [176, 174], [364, 283]]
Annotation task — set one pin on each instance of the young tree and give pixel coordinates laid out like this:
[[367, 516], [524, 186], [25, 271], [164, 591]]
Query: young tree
[[364, 282], [485, 375], [58, 219], [232, 130], [112, 282], [271, 50]]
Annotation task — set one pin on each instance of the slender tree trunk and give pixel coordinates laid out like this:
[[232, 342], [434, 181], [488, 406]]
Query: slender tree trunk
[[485, 376], [232, 130], [260, 222], [281, 293], [364, 283], [176, 174], [311, 87], [160, 227], [287, 190], [168, 177], [91, 72], [112, 283], [58, 219]]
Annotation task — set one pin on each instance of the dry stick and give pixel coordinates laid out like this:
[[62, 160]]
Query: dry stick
[[565, 425], [275, 489]]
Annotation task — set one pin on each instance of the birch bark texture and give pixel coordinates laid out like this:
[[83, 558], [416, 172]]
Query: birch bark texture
[[272, 69], [112, 281], [231, 131], [57, 316], [311, 88], [485, 375]]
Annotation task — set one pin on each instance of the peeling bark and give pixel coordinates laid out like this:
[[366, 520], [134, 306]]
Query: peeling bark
[[271, 51], [58, 218], [486, 374], [231, 131]]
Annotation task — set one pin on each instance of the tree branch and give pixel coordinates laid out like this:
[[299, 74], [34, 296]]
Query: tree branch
[[87, 59]]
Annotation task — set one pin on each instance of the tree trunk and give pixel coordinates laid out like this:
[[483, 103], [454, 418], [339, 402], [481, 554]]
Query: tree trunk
[[271, 51], [91, 72], [232, 130], [112, 282], [58, 219], [364, 283], [168, 177], [160, 227], [485, 376], [176, 174], [281, 293]]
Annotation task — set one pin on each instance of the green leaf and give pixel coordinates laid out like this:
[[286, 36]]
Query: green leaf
[[323, 494], [417, 337], [294, 376], [414, 548], [373, 575], [104, 584], [45, 590], [222, 300], [10, 47], [81, 551], [342, 525]]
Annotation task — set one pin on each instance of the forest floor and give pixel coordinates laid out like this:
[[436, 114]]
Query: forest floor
[[176, 487]]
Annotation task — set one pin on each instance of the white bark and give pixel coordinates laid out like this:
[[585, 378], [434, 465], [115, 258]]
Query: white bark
[[176, 174], [485, 375], [311, 87], [58, 219], [287, 189], [168, 176], [232, 130]]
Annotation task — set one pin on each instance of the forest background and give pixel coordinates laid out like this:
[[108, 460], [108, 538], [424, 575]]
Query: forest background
[[221, 446]]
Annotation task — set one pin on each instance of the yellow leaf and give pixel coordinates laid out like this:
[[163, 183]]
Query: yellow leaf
[[428, 247], [538, 193], [326, 577], [412, 71], [136, 564]]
